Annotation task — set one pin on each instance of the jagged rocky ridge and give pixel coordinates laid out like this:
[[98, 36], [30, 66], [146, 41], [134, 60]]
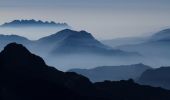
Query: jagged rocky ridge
[[33, 23]]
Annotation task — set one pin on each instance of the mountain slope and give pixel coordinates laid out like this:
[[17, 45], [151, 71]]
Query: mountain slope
[[159, 77], [114, 73], [26, 76], [68, 49], [6, 39], [155, 50], [161, 35], [69, 41], [124, 41]]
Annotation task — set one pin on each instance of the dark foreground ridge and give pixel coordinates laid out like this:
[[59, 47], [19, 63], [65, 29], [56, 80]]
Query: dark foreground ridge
[[25, 76]]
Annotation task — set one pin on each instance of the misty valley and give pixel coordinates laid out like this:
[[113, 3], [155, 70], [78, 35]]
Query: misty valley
[[74, 65]]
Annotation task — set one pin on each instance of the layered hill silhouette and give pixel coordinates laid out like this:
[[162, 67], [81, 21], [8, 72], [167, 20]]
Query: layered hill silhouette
[[6, 39], [124, 41], [159, 77], [114, 73], [69, 49], [34, 23], [79, 48], [155, 49], [26, 76], [162, 35], [68, 42]]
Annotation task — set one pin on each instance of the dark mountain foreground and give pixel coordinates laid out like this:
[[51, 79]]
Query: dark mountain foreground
[[25, 76]]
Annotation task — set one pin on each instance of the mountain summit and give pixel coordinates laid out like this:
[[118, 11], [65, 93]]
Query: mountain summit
[[65, 34], [77, 42], [72, 47], [17, 54]]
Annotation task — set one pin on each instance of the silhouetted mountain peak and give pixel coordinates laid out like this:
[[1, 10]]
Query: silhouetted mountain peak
[[67, 33], [24, 76], [17, 54], [76, 41], [15, 48]]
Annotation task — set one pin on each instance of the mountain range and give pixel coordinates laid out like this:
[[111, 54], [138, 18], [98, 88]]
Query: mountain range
[[69, 41], [34, 23], [155, 49], [124, 41], [6, 39], [26, 76], [73, 48], [114, 73]]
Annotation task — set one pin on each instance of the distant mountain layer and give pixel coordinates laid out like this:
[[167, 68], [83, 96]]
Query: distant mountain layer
[[73, 42], [124, 41], [33, 23], [73, 49], [155, 49], [159, 77], [6, 39], [114, 73], [161, 35], [25, 76], [67, 42], [158, 36]]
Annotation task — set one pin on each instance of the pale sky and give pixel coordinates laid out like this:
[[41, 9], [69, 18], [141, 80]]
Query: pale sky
[[105, 19]]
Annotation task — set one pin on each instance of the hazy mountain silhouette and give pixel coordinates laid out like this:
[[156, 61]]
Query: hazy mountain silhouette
[[6, 39], [26, 76], [155, 50], [114, 73], [161, 36], [70, 49], [68, 41], [73, 48], [34, 23], [159, 77], [124, 41]]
